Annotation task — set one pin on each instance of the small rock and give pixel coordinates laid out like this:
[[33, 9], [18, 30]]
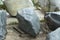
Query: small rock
[[28, 21]]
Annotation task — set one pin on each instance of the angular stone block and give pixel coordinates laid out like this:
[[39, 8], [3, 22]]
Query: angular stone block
[[28, 21]]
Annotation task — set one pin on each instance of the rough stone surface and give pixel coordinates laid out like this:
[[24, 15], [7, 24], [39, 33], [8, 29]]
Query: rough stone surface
[[52, 20], [40, 14], [29, 22], [55, 35], [2, 24]]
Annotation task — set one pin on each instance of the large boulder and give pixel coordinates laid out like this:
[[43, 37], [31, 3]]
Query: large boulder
[[2, 24], [55, 35], [28, 21], [14, 5]]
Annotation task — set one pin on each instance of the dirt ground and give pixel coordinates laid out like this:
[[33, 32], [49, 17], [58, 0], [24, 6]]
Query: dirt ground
[[14, 35]]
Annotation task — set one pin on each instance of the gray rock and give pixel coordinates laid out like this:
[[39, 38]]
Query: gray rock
[[29, 22], [55, 35], [53, 20], [2, 24]]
